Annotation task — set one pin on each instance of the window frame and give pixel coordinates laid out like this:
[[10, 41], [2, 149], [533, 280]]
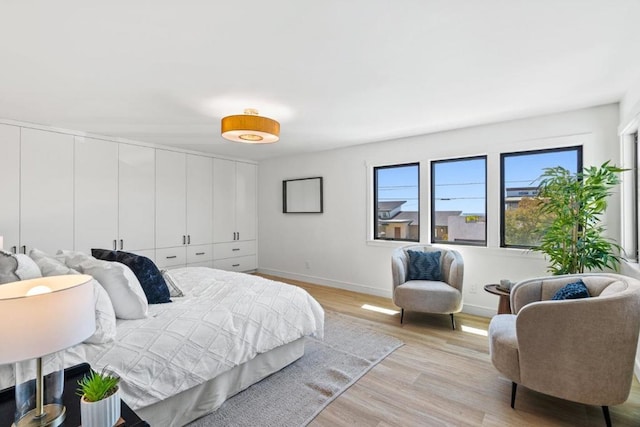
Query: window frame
[[579, 165], [375, 201], [433, 204]]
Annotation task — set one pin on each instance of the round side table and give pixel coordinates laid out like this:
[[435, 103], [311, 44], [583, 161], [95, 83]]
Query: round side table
[[504, 305]]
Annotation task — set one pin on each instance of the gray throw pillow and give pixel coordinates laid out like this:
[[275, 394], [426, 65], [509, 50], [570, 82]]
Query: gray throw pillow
[[15, 267]]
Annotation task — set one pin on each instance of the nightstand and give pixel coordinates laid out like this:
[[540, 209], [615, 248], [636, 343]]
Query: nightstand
[[70, 400]]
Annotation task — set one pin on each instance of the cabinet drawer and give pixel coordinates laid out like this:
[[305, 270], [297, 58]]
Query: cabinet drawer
[[208, 264], [171, 257], [242, 263], [234, 249], [199, 253]]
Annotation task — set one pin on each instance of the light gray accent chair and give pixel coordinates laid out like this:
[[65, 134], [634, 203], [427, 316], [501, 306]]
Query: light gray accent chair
[[581, 350], [444, 297]]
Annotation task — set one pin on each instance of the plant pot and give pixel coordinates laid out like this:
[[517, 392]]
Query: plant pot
[[103, 413]]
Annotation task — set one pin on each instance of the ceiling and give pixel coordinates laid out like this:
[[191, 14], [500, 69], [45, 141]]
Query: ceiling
[[334, 73]]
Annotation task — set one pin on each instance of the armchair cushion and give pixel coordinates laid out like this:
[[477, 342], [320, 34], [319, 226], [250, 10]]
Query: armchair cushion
[[574, 290], [428, 296], [424, 266]]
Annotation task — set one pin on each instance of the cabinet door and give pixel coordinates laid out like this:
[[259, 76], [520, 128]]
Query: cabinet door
[[136, 197], [224, 200], [46, 179], [96, 194], [246, 201], [171, 200], [10, 187], [199, 199]]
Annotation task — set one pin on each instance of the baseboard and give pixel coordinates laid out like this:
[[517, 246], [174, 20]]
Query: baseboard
[[475, 310], [328, 282], [478, 310]]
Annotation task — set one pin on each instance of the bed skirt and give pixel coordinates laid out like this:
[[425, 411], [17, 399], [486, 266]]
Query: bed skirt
[[189, 405]]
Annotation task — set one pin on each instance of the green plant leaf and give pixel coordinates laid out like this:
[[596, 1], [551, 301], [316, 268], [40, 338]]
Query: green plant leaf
[[97, 386], [573, 239]]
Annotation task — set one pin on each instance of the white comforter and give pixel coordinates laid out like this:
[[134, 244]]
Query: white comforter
[[224, 320]]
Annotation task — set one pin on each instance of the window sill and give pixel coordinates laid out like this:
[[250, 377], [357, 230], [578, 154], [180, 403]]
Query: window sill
[[391, 243]]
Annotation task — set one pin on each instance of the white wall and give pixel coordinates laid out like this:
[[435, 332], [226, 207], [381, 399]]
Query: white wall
[[630, 104], [335, 244]]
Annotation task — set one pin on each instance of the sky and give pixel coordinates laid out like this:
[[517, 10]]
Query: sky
[[460, 184]]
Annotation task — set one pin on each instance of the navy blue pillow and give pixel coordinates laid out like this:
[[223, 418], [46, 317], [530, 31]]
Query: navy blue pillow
[[572, 291], [424, 266], [153, 284]]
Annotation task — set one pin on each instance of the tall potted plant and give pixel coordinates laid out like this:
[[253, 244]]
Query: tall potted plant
[[573, 239]]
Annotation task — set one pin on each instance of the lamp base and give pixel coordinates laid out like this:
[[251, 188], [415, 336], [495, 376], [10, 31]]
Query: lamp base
[[53, 415]]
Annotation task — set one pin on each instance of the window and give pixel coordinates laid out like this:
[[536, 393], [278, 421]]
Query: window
[[629, 199], [396, 202], [521, 225], [458, 201]]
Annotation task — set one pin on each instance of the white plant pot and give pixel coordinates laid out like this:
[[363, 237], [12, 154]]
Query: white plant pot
[[103, 413]]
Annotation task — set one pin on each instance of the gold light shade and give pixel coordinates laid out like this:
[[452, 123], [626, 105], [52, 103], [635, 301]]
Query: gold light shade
[[250, 128]]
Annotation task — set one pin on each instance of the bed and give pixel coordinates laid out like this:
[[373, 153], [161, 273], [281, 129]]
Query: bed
[[187, 357]]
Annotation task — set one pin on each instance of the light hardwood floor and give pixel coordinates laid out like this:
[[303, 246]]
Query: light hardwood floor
[[442, 377]]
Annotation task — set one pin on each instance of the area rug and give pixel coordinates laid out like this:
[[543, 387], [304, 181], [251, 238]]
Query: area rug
[[294, 396]]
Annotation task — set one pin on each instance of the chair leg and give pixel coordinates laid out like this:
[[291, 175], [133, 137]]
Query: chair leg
[[607, 418], [401, 315], [453, 321], [514, 388]]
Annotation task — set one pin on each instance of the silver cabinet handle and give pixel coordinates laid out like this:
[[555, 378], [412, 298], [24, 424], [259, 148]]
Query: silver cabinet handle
[[238, 235], [172, 256], [115, 245], [121, 244], [235, 249], [24, 249], [14, 249], [184, 239], [199, 253], [235, 265], [234, 235], [188, 239]]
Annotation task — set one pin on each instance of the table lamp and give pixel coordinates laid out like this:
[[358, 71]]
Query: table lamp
[[40, 317]]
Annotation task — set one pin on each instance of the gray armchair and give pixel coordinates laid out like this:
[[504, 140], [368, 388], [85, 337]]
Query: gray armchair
[[425, 296], [581, 350]]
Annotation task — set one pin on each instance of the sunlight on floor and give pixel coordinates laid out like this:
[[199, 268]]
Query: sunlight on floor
[[380, 309], [475, 331]]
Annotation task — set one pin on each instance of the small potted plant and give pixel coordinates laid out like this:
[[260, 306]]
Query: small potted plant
[[100, 399]]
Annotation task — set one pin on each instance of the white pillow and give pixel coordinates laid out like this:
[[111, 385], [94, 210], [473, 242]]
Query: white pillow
[[127, 296], [49, 265], [72, 259], [15, 267], [174, 290], [105, 316]]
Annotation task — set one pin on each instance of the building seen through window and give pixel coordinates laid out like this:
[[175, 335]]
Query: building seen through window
[[522, 222], [397, 204], [458, 201]]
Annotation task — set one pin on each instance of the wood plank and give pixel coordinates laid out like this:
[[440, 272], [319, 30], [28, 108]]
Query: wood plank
[[442, 377]]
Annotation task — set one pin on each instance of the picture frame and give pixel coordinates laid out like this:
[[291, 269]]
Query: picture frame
[[302, 195]]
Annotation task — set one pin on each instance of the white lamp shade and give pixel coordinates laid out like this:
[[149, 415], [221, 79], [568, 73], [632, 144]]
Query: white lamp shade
[[45, 315]]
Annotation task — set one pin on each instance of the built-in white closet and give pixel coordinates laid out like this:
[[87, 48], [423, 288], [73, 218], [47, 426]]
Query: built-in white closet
[[74, 192]]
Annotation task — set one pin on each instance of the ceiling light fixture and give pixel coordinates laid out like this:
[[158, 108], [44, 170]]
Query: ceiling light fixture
[[250, 128]]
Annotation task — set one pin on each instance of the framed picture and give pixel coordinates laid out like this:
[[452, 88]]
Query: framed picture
[[303, 195]]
